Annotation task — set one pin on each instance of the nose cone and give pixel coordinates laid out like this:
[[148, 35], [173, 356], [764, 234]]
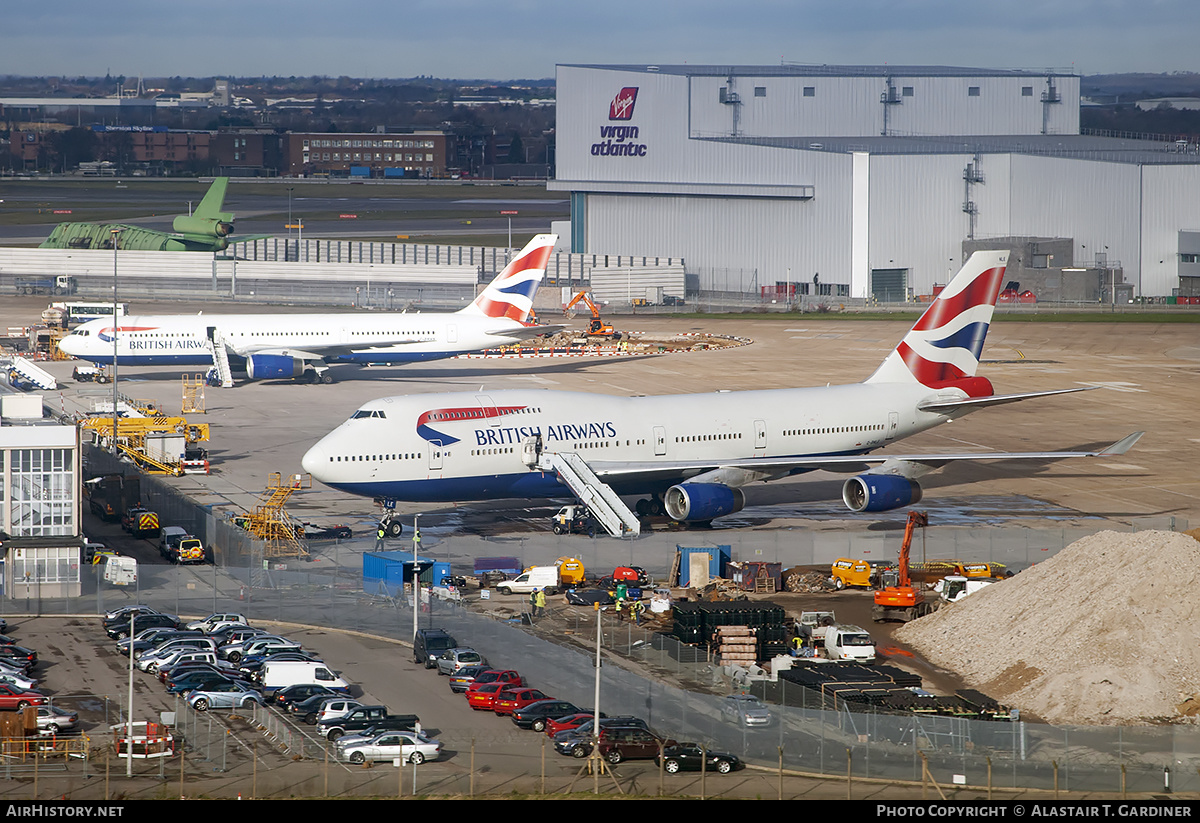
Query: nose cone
[[316, 462], [72, 345]]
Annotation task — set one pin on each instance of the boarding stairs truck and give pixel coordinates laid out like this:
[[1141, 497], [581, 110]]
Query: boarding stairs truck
[[604, 504], [24, 374]]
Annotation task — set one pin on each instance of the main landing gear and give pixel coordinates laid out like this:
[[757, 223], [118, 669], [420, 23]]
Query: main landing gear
[[650, 507], [318, 374]]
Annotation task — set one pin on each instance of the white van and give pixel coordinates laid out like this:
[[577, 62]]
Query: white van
[[284, 673], [535, 577]]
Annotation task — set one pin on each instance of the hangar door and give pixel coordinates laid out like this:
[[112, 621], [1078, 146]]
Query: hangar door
[[889, 285]]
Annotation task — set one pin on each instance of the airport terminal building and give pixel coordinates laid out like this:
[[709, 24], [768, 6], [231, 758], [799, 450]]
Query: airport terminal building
[[863, 181]]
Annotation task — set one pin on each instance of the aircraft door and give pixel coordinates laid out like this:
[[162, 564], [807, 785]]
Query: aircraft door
[[451, 333], [660, 441], [760, 435], [892, 424], [435, 455]]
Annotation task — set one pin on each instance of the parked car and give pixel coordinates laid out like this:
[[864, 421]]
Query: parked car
[[120, 628], [12, 697], [462, 679], [451, 660], [292, 695], [408, 747], [689, 757], [482, 696], [535, 715], [19, 656], [428, 644], [214, 622], [577, 742], [52, 719], [745, 709], [365, 717], [618, 743], [332, 709], [507, 677], [223, 696], [509, 700], [566, 723]]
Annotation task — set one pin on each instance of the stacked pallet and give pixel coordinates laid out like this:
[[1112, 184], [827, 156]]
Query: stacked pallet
[[736, 645]]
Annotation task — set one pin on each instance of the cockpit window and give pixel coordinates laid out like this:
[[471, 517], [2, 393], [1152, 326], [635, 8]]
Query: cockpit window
[[368, 413]]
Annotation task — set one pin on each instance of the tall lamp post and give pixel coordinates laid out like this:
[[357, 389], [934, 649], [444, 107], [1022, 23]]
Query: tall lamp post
[[116, 237]]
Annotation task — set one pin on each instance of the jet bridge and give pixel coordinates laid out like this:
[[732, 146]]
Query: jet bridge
[[605, 504]]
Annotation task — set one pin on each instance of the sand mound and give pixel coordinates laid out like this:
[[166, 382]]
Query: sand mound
[[1103, 632]]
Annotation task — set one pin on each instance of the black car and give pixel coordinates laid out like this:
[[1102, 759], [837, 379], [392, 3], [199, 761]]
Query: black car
[[428, 644], [19, 655], [535, 715], [120, 629], [287, 697], [689, 757]]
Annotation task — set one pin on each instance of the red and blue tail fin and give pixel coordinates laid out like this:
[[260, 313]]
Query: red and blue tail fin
[[943, 348], [511, 293]]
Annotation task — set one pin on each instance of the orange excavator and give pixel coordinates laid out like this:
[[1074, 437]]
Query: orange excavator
[[597, 328], [903, 601]]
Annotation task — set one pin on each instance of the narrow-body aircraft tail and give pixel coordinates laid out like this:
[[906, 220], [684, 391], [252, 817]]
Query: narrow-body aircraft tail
[[944, 346], [511, 293]]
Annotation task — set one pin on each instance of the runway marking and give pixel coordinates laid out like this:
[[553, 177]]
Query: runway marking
[[795, 329], [1115, 385], [1133, 467]]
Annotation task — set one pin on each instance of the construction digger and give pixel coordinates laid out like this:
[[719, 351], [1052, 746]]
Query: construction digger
[[598, 327], [903, 601]]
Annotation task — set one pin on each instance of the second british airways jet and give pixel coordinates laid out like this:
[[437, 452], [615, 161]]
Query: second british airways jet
[[274, 346]]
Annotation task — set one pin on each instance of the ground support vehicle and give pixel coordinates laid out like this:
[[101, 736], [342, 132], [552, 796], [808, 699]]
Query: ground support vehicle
[[140, 522], [574, 519], [847, 571]]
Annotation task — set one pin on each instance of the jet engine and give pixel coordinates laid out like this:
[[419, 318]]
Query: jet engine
[[689, 502], [273, 366], [880, 492], [203, 227]]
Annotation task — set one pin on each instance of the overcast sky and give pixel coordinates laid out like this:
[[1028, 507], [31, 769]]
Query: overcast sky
[[526, 38]]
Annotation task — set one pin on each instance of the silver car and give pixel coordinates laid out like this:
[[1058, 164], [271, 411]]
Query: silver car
[[223, 696], [451, 660], [52, 719], [746, 710], [408, 746]]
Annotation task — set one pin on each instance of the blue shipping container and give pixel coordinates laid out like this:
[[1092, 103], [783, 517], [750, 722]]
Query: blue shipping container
[[387, 572], [718, 558]]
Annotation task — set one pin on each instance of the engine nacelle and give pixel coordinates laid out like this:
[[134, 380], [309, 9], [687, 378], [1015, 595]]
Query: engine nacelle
[[880, 492], [702, 501], [273, 367], [202, 227]]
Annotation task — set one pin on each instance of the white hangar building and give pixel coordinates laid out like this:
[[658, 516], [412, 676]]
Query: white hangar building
[[868, 178]]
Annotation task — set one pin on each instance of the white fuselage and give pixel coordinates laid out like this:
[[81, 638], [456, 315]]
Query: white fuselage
[[185, 340], [468, 446]]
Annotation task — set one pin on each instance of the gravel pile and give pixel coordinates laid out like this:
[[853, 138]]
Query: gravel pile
[[1104, 632]]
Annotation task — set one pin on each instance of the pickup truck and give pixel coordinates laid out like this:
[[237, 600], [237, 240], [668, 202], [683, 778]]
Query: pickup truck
[[366, 717]]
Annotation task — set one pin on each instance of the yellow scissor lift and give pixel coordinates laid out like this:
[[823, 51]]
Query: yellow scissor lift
[[132, 433], [270, 521]]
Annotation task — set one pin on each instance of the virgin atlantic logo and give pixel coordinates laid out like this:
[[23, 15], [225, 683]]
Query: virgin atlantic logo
[[621, 107]]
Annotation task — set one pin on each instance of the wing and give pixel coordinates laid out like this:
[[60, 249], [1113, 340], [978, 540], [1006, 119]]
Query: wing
[[740, 472]]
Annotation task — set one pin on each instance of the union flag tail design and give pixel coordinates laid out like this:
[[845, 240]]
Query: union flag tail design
[[944, 346], [511, 293]]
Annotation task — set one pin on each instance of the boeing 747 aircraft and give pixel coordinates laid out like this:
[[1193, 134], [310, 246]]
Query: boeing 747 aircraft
[[690, 454], [274, 346]]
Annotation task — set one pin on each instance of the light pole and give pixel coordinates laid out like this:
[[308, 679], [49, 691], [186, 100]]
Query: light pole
[[116, 237]]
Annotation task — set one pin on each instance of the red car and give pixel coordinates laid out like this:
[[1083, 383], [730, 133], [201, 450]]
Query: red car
[[12, 698], [508, 677], [571, 721], [483, 698], [509, 700]]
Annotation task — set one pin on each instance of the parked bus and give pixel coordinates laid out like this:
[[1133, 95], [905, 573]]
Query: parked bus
[[83, 312]]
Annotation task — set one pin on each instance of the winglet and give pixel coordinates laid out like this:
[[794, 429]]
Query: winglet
[[1121, 446]]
